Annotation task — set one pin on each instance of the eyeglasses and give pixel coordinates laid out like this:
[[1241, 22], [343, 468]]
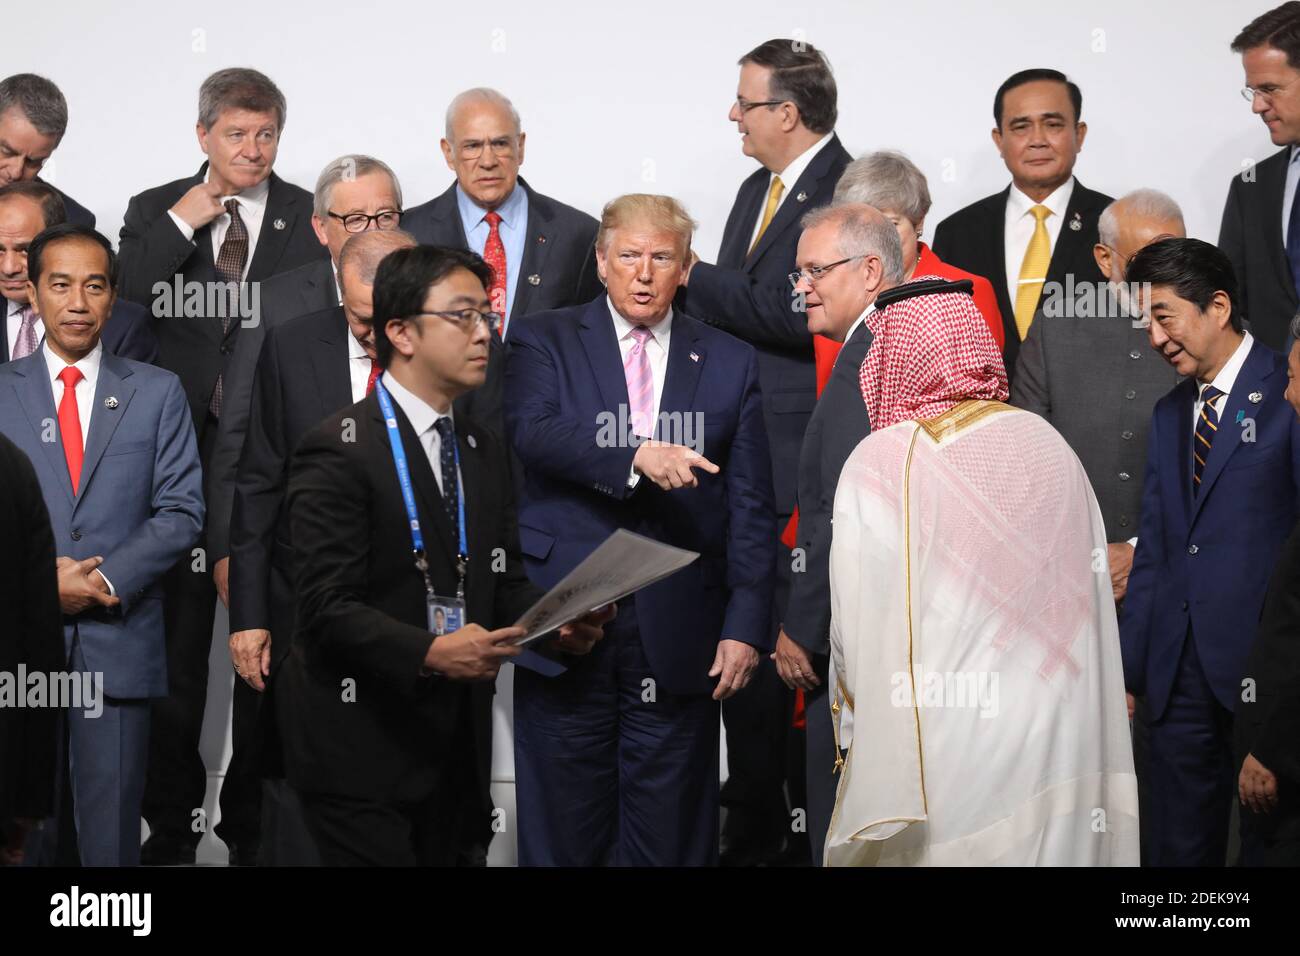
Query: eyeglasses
[[745, 106], [466, 320], [1266, 92], [816, 272], [473, 148], [360, 222]]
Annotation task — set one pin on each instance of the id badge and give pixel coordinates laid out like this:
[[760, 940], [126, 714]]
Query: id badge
[[446, 614]]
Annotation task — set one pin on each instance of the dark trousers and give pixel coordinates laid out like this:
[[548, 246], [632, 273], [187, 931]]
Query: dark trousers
[[757, 723], [610, 769], [1193, 777], [820, 776], [354, 832]]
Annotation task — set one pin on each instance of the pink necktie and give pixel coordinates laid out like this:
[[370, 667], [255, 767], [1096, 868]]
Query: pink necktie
[[26, 343], [640, 384]]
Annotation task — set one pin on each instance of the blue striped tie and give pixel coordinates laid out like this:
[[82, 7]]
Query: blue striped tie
[[1207, 424]]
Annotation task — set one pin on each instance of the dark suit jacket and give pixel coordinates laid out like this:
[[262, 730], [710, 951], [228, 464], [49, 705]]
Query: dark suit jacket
[[32, 636], [564, 378], [302, 378], [362, 616], [1251, 236], [75, 211], [154, 251], [127, 333], [1096, 380], [750, 297], [1205, 561], [974, 239], [559, 267], [308, 288]]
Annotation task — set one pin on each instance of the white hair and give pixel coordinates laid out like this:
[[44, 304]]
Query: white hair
[[480, 94], [862, 231], [885, 180], [1149, 204]]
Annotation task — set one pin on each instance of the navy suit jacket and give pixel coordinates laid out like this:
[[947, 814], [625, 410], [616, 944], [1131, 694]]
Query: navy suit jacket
[[139, 505], [128, 333], [749, 295], [564, 378], [1206, 559]]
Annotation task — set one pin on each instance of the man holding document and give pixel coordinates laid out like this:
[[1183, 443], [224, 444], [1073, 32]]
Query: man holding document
[[409, 511], [616, 760]]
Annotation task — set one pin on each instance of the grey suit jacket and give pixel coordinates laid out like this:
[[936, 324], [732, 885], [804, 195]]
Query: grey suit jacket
[[139, 504], [1096, 380]]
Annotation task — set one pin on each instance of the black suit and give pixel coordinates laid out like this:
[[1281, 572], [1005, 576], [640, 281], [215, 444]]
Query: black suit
[[405, 740], [32, 636], [128, 333], [1268, 725], [974, 239], [1251, 237], [73, 211], [153, 250], [749, 295], [308, 288], [559, 251]]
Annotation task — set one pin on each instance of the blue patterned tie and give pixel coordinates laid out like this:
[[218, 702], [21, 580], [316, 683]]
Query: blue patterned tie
[[447, 458], [1207, 424]]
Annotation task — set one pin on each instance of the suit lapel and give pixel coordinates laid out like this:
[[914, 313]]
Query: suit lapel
[[1069, 241], [749, 201], [470, 442], [4, 330], [1181, 416], [1251, 379], [793, 207], [114, 375], [1275, 195], [36, 395], [537, 246], [686, 358], [271, 242], [203, 238], [995, 258], [596, 332], [330, 365], [445, 227]]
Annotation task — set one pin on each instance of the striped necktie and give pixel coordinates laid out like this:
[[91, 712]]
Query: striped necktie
[[1207, 424]]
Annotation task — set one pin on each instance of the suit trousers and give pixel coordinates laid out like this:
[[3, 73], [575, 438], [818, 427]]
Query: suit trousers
[[1192, 772], [610, 768], [821, 779]]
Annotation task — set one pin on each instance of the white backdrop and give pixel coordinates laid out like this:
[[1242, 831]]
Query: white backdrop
[[618, 99]]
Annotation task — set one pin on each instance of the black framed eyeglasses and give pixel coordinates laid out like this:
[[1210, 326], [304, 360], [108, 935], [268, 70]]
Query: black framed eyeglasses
[[467, 320], [816, 272], [745, 106], [360, 222]]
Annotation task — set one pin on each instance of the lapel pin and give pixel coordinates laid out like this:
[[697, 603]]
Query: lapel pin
[[541, 240], [534, 279], [1256, 397], [471, 441], [1076, 223], [279, 224], [1241, 414], [802, 197], [110, 402], [695, 357]]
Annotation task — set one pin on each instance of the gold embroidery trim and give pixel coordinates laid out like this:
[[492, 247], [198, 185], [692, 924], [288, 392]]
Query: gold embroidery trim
[[961, 416]]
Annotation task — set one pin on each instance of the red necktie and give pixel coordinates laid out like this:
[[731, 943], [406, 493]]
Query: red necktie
[[70, 423], [375, 372], [494, 253]]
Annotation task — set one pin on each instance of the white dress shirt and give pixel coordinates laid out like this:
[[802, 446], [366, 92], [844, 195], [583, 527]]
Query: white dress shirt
[[1020, 225], [85, 394], [859, 320], [1224, 381], [14, 321], [789, 176], [252, 209], [423, 417], [359, 370], [1288, 194]]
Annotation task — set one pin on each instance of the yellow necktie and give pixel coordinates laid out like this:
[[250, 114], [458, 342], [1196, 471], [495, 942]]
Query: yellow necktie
[[1033, 271], [773, 198]]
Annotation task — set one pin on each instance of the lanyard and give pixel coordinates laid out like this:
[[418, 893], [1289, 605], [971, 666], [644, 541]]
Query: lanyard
[[408, 497]]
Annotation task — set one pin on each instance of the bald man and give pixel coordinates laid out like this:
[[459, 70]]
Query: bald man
[[542, 252]]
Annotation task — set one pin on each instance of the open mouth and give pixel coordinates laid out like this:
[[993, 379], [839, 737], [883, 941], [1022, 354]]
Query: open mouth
[[642, 298]]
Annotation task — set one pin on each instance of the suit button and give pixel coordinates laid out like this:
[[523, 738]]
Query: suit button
[[1135, 354], [1192, 549], [1123, 476], [76, 536], [1126, 434], [1131, 394], [1123, 521], [225, 350], [1184, 605]]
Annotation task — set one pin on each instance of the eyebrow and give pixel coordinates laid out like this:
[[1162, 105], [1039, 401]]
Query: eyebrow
[[1026, 117], [63, 275]]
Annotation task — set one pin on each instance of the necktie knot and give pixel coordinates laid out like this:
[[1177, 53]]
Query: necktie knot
[[493, 219], [642, 334], [232, 207], [70, 376], [1210, 394], [445, 431], [1040, 212]]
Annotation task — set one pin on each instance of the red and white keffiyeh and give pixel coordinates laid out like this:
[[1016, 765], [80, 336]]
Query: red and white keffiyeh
[[928, 353]]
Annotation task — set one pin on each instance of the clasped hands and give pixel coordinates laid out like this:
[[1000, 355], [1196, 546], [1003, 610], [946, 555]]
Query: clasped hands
[[81, 586]]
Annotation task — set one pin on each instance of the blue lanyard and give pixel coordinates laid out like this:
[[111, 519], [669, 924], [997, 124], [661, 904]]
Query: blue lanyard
[[408, 497]]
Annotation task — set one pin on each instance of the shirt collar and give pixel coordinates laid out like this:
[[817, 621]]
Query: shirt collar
[[623, 328], [859, 320], [355, 349], [795, 168], [419, 413], [252, 196], [16, 307], [509, 211], [1295, 151], [1227, 376], [1058, 201], [89, 364]]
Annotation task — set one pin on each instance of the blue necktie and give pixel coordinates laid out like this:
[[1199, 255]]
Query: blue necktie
[[1207, 424]]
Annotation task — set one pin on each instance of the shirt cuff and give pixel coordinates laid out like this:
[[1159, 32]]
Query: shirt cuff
[[112, 591], [1133, 543], [182, 225], [633, 479]]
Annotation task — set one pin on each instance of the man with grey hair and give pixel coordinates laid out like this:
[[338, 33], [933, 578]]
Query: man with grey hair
[[849, 264], [203, 244], [33, 119], [542, 252], [1088, 369]]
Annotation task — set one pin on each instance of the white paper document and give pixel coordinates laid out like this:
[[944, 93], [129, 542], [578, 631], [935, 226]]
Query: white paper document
[[623, 564]]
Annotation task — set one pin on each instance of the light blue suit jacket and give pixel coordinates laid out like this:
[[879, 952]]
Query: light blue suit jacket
[[140, 503]]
